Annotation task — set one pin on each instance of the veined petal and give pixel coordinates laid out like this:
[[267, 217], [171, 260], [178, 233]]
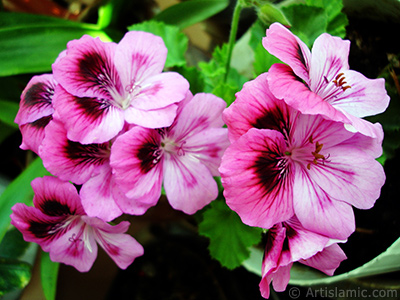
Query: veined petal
[[36, 226], [303, 243], [55, 197], [257, 180], [87, 120], [188, 183], [203, 111], [365, 97], [157, 118], [283, 44], [255, 106], [160, 90], [329, 58], [33, 134], [137, 166], [327, 260], [284, 84], [87, 69], [319, 212], [36, 99], [350, 176], [121, 247], [99, 195], [76, 248], [71, 161], [138, 56], [208, 146]]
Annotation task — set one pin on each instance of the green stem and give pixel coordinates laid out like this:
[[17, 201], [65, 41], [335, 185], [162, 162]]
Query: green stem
[[232, 37]]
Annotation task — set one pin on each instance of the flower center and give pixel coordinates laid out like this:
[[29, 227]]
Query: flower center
[[333, 88], [172, 147], [316, 153], [339, 81]]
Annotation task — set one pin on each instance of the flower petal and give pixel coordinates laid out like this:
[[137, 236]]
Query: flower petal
[[87, 69], [157, 118], [137, 167], [71, 161], [199, 113], [76, 248], [188, 183], [326, 261], [319, 212], [138, 56], [121, 247], [36, 99], [33, 134], [99, 196], [255, 106], [283, 44], [87, 120], [257, 182]]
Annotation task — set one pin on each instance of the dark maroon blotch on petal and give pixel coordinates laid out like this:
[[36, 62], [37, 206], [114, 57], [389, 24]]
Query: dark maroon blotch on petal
[[148, 154], [39, 94], [55, 208], [93, 108], [91, 154], [42, 122], [274, 119]]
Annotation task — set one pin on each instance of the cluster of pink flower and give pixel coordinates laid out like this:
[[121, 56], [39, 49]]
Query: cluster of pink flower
[[110, 123], [300, 154]]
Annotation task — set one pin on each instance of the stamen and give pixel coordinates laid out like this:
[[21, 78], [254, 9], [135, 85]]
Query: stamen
[[339, 81], [316, 154]]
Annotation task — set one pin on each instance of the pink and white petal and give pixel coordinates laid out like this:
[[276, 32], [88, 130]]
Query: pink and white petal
[[77, 247], [87, 69], [326, 261], [203, 111], [362, 126], [281, 277], [284, 84], [255, 106], [365, 97], [138, 56], [319, 212], [188, 183], [160, 90], [36, 226], [157, 118], [283, 44], [122, 248], [208, 146], [71, 161], [98, 196], [55, 197], [303, 243], [329, 58], [36, 99], [87, 120], [350, 176], [33, 134], [251, 174], [137, 168]]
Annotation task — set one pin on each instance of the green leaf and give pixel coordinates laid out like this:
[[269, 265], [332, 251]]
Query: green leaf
[[19, 190], [386, 262], [31, 43], [175, 41], [308, 22], [48, 276], [213, 73], [230, 239], [13, 275], [337, 21], [191, 12], [13, 245], [8, 111], [192, 74]]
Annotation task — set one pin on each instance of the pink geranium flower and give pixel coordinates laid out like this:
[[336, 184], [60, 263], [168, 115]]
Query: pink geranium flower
[[282, 162], [320, 82], [35, 110], [184, 157], [58, 223], [290, 242], [102, 85], [87, 165]]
